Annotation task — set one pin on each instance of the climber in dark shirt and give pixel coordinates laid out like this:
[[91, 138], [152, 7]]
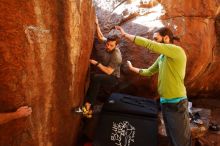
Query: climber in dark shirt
[[109, 66]]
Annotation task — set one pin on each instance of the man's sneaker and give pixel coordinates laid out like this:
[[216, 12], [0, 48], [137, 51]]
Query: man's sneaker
[[79, 110], [83, 111], [87, 116]]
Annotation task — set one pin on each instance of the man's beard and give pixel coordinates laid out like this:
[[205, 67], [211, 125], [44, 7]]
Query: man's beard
[[109, 51], [162, 41]]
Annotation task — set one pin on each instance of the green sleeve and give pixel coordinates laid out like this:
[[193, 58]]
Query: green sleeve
[[151, 70], [168, 50]]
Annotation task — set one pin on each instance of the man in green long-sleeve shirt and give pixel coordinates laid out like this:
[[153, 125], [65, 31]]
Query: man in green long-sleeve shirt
[[170, 66]]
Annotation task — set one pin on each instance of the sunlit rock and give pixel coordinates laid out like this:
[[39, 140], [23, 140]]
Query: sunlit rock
[[45, 48], [194, 22]]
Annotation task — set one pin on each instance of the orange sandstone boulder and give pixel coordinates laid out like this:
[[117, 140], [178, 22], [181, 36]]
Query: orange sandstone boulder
[[45, 47]]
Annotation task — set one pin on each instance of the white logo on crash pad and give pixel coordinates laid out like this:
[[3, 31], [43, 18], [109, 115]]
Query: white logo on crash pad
[[123, 133]]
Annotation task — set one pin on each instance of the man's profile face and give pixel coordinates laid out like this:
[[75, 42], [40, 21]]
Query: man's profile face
[[158, 38], [110, 45]]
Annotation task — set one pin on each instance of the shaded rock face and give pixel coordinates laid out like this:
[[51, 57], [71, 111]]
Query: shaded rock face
[[45, 47], [197, 25]]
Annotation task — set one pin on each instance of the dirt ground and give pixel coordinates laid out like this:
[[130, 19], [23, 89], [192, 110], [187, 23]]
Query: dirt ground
[[214, 106]]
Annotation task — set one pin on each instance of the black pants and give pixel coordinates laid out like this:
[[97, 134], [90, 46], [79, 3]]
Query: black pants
[[97, 81]]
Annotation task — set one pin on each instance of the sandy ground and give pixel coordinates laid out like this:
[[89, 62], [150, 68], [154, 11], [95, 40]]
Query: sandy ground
[[214, 106]]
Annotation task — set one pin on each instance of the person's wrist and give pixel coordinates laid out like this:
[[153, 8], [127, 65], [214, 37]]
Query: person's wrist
[[124, 35], [16, 115], [140, 71], [97, 63], [134, 38]]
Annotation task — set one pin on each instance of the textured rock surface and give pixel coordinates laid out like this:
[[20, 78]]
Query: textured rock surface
[[196, 23], [45, 46]]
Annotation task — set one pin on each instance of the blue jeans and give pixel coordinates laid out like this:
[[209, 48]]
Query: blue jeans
[[176, 120]]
